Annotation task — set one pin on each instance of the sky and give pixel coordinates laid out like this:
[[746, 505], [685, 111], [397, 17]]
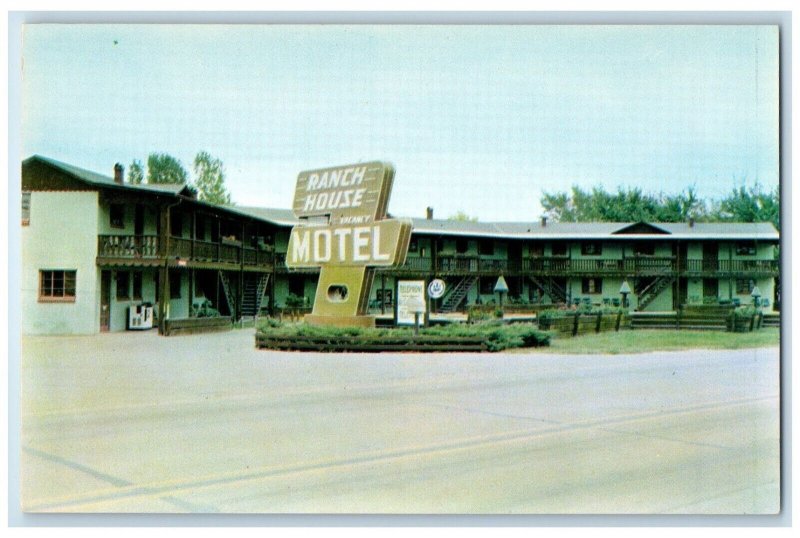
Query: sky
[[479, 119]]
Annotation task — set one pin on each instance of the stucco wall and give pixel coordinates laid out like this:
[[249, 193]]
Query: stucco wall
[[62, 235]]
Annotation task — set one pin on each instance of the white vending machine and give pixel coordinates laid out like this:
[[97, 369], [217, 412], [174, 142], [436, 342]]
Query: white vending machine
[[140, 317]]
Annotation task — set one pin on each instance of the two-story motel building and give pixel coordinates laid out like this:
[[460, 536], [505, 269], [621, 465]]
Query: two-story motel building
[[94, 245]]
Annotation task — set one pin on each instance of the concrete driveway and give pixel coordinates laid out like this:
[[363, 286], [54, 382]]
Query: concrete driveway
[[131, 422]]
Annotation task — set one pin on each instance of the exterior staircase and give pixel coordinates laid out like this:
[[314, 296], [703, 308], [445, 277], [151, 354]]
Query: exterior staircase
[[253, 294], [458, 293], [549, 286], [652, 290], [226, 287]]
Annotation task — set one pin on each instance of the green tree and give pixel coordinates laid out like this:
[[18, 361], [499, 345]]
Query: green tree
[[750, 205], [164, 168], [625, 205], [210, 179], [136, 172], [462, 216]]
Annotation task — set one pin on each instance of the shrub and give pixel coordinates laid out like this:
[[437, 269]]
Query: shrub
[[497, 335], [476, 314], [295, 301]]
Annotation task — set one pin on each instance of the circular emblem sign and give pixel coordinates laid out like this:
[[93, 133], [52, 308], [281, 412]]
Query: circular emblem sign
[[436, 288]]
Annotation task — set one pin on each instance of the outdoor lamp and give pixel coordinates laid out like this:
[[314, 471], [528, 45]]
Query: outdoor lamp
[[756, 295], [501, 287], [624, 290]]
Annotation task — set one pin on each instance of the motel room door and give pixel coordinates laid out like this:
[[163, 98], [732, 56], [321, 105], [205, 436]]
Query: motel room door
[[105, 301]]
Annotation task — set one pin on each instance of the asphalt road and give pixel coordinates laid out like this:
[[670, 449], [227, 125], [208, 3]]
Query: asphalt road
[[141, 423]]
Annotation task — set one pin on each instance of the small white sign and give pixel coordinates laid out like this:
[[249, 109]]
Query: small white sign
[[436, 288], [410, 300]]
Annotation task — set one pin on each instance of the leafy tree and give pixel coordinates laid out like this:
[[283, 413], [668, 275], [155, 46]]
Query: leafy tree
[[164, 168], [210, 179], [462, 216], [750, 205], [625, 205], [136, 172]]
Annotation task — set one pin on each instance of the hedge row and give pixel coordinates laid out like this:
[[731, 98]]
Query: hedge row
[[493, 336]]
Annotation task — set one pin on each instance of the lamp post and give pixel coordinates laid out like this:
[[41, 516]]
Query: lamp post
[[624, 290], [756, 295], [501, 287]]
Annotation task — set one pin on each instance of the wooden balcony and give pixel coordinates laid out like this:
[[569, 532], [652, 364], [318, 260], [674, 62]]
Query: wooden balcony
[[128, 246], [711, 268], [565, 267], [202, 254]]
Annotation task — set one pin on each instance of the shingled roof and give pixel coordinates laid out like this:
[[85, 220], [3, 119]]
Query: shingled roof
[[99, 180], [763, 231]]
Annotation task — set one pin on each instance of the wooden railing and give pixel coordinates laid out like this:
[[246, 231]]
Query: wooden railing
[[127, 246], [562, 266], [415, 264], [147, 246], [767, 267]]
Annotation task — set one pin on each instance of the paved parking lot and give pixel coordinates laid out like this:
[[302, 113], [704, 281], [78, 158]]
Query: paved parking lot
[[137, 422]]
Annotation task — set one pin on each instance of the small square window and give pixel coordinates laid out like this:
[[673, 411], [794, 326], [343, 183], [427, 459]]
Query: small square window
[[57, 285], [559, 249], [591, 286], [746, 249], [486, 247], [743, 286], [592, 248]]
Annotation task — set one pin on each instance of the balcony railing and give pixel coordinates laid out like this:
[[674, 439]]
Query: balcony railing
[[765, 267], [562, 266], [127, 246], [147, 246], [415, 264]]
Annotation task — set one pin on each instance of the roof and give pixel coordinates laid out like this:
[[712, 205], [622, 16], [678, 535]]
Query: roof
[[99, 180], [764, 231], [561, 230]]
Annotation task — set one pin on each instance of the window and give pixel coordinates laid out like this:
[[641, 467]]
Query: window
[[462, 245], [746, 249], [536, 250], [174, 285], [413, 246], [644, 248], [137, 285], [176, 223], [592, 248], [486, 247], [592, 285], [487, 286], [123, 285], [57, 285], [559, 249], [26, 208], [117, 213], [743, 286]]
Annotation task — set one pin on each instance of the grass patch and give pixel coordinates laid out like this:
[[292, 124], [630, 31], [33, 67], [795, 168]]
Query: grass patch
[[642, 341]]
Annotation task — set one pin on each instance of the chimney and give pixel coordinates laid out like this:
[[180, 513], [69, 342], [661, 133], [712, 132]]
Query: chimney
[[544, 222], [691, 222], [118, 169], [429, 213]]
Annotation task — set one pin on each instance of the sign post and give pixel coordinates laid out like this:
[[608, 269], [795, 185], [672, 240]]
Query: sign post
[[345, 232]]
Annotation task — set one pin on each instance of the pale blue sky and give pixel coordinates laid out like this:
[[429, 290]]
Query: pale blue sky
[[475, 118]]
